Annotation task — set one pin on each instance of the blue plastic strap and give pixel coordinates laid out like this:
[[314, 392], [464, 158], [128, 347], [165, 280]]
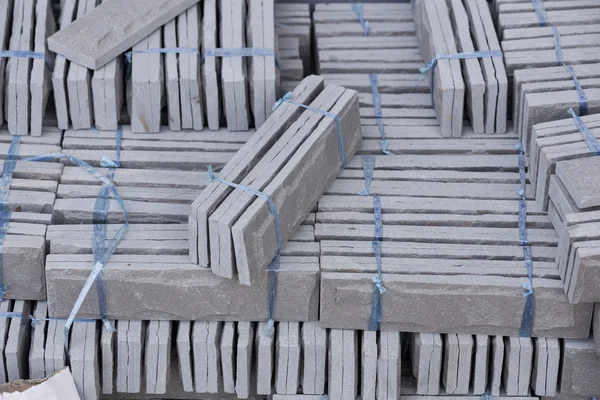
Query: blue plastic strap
[[368, 164], [36, 321], [172, 50], [11, 314], [100, 219], [583, 103], [28, 54], [557, 46], [378, 288], [359, 10], [242, 52], [528, 317], [109, 248], [287, 98], [540, 11], [430, 66], [5, 211], [377, 112], [590, 139], [273, 268]]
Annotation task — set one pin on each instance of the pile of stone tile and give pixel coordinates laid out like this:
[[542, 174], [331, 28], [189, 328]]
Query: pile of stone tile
[[170, 75], [27, 206], [408, 261], [238, 360], [26, 68]]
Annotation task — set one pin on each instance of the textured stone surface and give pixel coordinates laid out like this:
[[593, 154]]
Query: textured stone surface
[[581, 180], [580, 374]]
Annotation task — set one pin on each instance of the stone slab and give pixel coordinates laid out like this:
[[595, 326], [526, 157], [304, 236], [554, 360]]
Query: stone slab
[[355, 290], [294, 208]]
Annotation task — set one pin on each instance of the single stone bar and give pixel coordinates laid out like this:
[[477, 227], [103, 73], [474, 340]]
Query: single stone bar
[[233, 69], [297, 295], [107, 355], [79, 83], [580, 374], [368, 365], [265, 359]]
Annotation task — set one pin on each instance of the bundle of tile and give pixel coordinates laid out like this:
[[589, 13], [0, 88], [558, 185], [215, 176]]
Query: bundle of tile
[[459, 39], [26, 66], [238, 360], [547, 47], [264, 193], [28, 191], [205, 64]]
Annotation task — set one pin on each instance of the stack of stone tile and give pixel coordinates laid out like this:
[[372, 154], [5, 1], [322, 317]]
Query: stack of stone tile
[[167, 69], [292, 159], [573, 205], [463, 27], [192, 359], [25, 80]]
